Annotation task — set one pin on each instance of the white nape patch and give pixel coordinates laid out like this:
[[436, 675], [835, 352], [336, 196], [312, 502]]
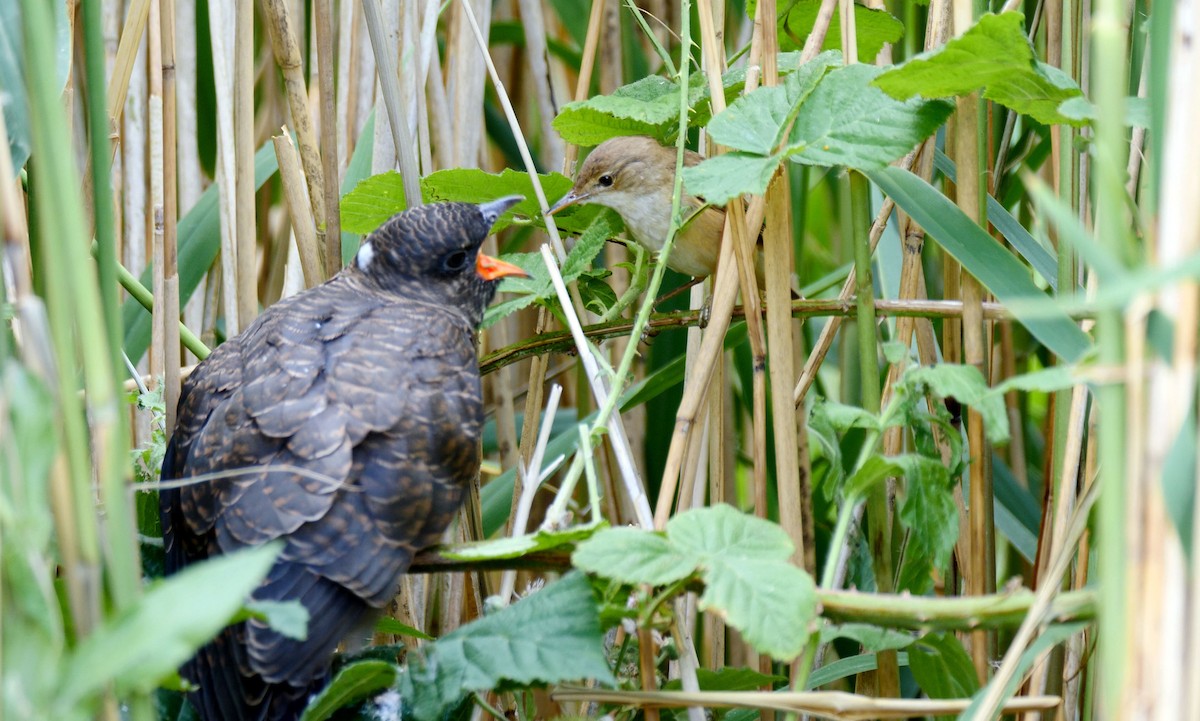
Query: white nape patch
[[366, 253]]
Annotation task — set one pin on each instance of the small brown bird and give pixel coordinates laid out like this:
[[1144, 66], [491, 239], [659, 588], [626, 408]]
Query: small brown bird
[[344, 421], [635, 176]]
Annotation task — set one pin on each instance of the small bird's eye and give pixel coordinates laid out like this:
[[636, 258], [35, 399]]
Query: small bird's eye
[[605, 181], [454, 261]]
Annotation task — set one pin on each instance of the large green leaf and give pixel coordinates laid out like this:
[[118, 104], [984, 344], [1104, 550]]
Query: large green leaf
[[199, 234], [872, 29], [649, 106], [164, 627], [993, 56], [835, 116], [984, 258], [742, 560], [942, 667], [552, 636]]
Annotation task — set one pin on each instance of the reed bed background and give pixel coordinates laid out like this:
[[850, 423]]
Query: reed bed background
[[171, 167]]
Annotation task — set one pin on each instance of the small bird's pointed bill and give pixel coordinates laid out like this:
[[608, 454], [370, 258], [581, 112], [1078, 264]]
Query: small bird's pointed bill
[[490, 268], [571, 198], [493, 210]]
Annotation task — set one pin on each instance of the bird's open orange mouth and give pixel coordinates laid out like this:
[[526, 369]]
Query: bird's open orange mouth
[[490, 268]]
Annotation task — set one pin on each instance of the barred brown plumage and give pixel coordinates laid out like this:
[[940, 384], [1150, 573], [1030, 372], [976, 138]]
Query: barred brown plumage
[[369, 386]]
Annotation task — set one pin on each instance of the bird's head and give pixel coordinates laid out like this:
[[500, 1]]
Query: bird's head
[[432, 251], [625, 174]]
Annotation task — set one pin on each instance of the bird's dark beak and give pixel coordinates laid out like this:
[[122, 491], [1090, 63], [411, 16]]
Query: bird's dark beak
[[490, 268], [493, 210], [571, 198]]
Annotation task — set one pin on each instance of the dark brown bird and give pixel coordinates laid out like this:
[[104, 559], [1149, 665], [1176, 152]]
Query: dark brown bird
[[345, 421]]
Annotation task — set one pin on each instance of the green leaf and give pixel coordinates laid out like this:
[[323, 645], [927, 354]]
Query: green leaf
[[872, 29], [372, 202], [756, 122], [1037, 254], [942, 667], [931, 518], [387, 624], [845, 668], [148, 642], [721, 179], [842, 417], [967, 385], [876, 469], [848, 121], [649, 106], [984, 258], [517, 546], [377, 198], [199, 235], [552, 636], [728, 679], [289, 618], [742, 561], [872, 638], [353, 683], [358, 169], [630, 555], [993, 56]]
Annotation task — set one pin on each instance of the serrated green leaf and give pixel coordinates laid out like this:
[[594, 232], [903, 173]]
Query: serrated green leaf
[[872, 638], [372, 202], [848, 121], [742, 561], [984, 258], [872, 29], [725, 177], [517, 546], [942, 667], [931, 518], [146, 643], [353, 683], [771, 603], [967, 385], [722, 530], [649, 106], [630, 555], [994, 56], [552, 636], [757, 122]]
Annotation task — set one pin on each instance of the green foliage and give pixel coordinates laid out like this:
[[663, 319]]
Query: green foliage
[[142, 646], [824, 114], [379, 197], [742, 561], [552, 636], [872, 28], [352, 684], [872, 638], [147, 460], [516, 546], [942, 667], [993, 56], [984, 258]]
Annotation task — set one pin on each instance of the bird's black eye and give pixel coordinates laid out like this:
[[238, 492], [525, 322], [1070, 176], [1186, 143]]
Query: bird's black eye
[[605, 181], [454, 261]]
